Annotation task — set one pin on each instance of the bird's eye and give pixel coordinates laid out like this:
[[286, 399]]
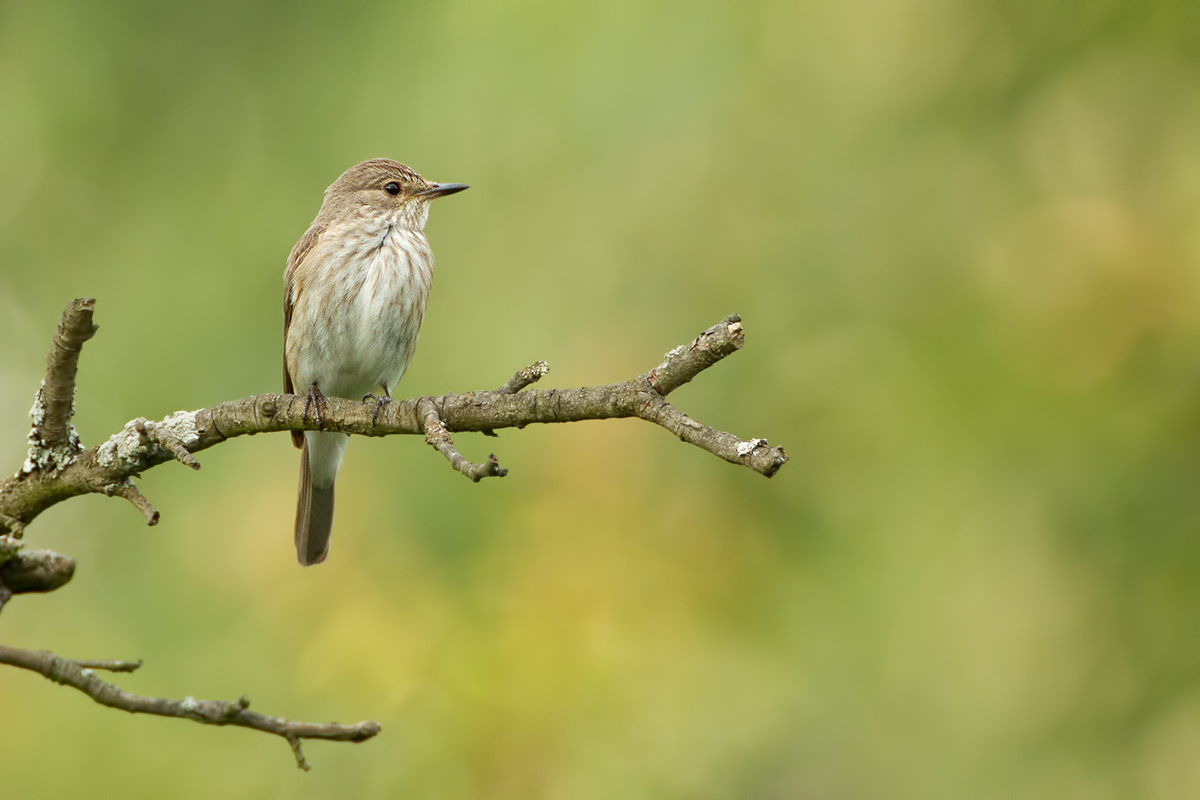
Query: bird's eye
[[392, 188]]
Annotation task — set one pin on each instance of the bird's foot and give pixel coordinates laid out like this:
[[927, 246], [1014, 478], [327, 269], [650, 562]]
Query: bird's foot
[[316, 401], [380, 402]]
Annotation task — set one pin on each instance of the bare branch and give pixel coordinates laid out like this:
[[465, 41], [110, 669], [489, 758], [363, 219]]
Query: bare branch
[[531, 374], [35, 571], [58, 468], [209, 712], [687, 361], [15, 526], [109, 666], [756, 453], [438, 437], [53, 441], [142, 444], [165, 438], [57, 396], [130, 492]]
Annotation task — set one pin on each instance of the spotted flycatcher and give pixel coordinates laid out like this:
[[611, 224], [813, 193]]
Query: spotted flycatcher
[[357, 283]]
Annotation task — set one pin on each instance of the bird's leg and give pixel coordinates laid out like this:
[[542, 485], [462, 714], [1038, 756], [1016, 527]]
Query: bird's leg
[[316, 401], [380, 402]]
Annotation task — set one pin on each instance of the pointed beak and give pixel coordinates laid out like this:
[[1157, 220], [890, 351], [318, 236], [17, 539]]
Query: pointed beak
[[442, 189]]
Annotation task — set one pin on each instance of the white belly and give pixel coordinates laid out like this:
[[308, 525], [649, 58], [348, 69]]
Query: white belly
[[356, 318]]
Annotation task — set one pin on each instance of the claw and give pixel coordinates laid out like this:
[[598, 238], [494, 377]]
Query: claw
[[380, 402], [316, 401]]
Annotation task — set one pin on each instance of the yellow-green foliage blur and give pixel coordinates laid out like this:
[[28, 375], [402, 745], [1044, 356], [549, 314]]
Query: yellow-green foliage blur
[[963, 236]]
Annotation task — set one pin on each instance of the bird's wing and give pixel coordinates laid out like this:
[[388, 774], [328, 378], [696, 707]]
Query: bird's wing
[[302, 248]]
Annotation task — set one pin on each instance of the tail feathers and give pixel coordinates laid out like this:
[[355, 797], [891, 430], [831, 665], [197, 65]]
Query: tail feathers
[[314, 517]]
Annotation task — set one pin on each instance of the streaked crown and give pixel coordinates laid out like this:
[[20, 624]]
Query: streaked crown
[[377, 174]]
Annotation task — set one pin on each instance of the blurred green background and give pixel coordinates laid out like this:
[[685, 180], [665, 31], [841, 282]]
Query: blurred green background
[[963, 238]]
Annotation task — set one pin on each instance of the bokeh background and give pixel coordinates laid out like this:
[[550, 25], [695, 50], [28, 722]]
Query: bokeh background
[[962, 235]]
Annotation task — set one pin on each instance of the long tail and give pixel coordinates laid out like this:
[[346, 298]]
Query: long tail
[[319, 463]]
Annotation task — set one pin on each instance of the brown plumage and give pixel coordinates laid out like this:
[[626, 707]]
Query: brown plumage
[[357, 284]]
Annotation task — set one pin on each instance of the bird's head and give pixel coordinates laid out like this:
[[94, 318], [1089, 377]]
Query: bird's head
[[388, 190]]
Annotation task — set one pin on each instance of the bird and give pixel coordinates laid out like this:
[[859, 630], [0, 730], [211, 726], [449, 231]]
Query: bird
[[356, 286]]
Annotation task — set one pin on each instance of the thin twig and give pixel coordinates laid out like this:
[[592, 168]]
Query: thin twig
[[166, 439], [439, 438], [130, 492], [531, 374], [108, 665], [210, 712]]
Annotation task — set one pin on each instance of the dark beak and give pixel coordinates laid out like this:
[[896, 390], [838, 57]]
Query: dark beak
[[442, 189]]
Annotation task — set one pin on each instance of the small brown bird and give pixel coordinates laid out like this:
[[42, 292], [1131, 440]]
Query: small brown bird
[[357, 283]]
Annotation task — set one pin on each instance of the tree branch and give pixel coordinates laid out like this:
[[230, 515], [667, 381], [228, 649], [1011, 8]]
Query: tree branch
[[525, 377], [438, 437], [36, 571], [58, 468], [79, 675], [108, 665], [108, 468], [53, 440]]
